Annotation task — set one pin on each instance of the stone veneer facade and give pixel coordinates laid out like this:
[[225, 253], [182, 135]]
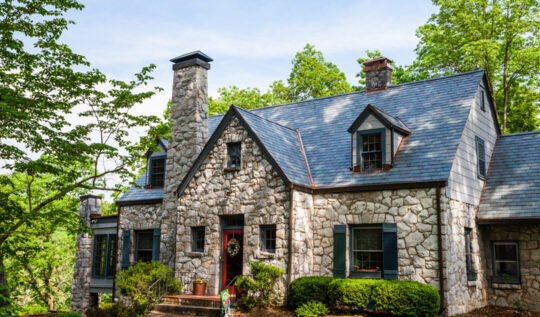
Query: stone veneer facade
[[527, 294], [255, 191], [81, 298]]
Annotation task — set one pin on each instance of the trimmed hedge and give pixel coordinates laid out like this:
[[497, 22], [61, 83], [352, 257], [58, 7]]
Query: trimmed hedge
[[392, 297], [406, 298], [351, 292], [308, 289]]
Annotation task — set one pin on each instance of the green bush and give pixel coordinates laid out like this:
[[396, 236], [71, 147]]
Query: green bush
[[312, 309], [406, 298], [260, 289], [112, 310], [135, 282], [351, 292], [309, 288]]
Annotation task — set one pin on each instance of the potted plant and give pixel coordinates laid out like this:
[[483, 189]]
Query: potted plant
[[199, 287]]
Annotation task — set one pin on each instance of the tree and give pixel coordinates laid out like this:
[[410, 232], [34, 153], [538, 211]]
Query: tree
[[313, 77], [400, 74], [500, 36], [54, 120]]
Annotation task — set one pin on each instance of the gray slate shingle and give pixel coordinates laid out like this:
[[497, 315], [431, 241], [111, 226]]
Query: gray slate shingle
[[513, 183]]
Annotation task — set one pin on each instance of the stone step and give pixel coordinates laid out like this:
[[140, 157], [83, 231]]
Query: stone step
[[160, 314], [193, 300], [188, 310]]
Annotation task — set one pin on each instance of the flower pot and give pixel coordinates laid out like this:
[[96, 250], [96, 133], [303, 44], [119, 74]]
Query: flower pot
[[199, 288]]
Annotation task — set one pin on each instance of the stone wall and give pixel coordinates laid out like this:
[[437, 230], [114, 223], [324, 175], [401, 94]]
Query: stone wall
[[413, 211], [462, 295], [144, 217], [527, 294], [80, 292], [255, 191]]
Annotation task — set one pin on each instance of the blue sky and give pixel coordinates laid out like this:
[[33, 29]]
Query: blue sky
[[252, 42]]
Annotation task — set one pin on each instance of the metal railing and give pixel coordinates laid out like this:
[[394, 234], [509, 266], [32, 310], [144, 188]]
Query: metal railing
[[231, 298], [158, 290]]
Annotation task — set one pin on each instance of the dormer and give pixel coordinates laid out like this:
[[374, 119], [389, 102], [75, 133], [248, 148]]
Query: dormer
[[156, 161], [376, 137]]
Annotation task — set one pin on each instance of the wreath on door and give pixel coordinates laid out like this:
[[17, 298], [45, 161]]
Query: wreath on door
[[233, 247]]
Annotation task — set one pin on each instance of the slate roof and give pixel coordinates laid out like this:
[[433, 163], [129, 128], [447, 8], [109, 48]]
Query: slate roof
[[513, 185], [434, 110]]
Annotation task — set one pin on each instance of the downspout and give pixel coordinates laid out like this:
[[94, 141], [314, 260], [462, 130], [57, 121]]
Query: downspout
[[291, 223], [440, 251], [116, 253], [392, 146]]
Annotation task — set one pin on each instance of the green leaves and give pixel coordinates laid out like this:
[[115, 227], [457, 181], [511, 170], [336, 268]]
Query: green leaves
[[500, 36]]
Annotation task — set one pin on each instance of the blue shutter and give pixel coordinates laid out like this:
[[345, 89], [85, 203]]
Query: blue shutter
[[340, 246], [390, 251], [126, 247], [155, 246]]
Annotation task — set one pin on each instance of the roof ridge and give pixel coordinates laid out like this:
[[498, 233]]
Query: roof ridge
[[520, 133], [357, 92], [251, 113]]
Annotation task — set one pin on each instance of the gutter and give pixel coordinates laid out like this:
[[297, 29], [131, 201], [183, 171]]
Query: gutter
[[442, 309], [291, 224]]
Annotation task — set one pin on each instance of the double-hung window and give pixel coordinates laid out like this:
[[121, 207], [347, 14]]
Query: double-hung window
[[506, 262], [144, 243], [481, 158], [366, 251], [234, 154], [371, 149], [157, 172], [103, 257], [268, 239], [198, 239], [471, 273]]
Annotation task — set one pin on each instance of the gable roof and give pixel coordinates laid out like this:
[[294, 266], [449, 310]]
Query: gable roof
[[434, 111], [385, 118], [512, 189]]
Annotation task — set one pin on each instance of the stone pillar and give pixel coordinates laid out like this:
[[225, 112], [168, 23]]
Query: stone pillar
[[80, 294], [189, 115]]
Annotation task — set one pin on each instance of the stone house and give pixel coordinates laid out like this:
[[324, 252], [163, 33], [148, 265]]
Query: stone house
[[412, 182]]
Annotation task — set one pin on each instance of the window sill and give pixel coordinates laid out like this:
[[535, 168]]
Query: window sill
[[232, 169], [505, 286], [266, 255], [368, 275], [195, 254], [471, 283]]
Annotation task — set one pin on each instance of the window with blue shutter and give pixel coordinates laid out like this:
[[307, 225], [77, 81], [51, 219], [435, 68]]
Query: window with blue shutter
[[340, 246], [155, 246], [481, 158], [144, 245], [390, 251], [126, 248], [366, 251]]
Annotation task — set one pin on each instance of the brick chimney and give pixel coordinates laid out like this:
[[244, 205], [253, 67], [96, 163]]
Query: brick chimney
[[378, 73], [189, 116]]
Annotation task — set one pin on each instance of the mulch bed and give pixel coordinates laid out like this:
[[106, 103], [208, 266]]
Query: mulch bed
[[495, 311]]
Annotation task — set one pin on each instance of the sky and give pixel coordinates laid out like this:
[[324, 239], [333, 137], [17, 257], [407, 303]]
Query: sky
[[252, 42]]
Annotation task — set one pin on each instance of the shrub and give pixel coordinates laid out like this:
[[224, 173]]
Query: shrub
[[312, 309], [112, 310], [351, 292], [137, 280], [308, 288], [406, 298], [261, 288]]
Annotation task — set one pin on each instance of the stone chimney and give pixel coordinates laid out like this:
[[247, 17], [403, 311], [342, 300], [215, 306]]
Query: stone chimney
[[81, 299], [189, 116], [378, 73]]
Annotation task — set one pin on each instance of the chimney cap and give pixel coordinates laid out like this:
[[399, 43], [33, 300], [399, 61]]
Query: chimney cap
[[377, 63], [192, 55]]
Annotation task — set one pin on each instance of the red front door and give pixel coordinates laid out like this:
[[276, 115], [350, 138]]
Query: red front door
[[232, 256]]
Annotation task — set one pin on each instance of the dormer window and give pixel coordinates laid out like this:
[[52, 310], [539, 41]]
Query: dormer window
[[371, 149], [157, 172], [376, 137], [234, 153]]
